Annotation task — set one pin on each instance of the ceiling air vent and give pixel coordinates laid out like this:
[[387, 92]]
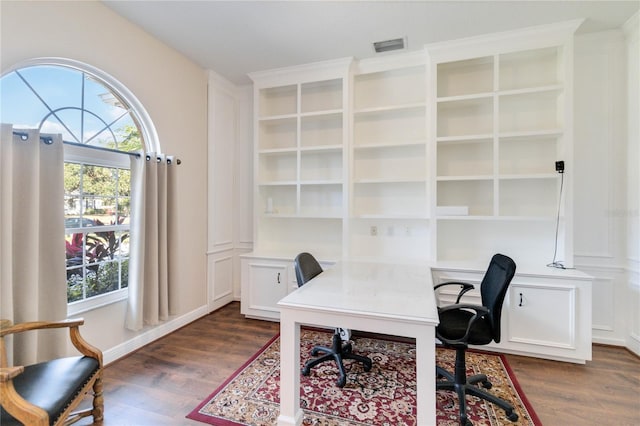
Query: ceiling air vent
[[389, 45]]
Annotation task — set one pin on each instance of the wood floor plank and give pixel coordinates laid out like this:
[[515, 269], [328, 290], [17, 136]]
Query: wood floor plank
[[163, 381]]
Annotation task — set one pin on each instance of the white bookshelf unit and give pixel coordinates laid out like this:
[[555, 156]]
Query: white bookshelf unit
[[445, 155], [300, 137], [501, 119], [389, 200]]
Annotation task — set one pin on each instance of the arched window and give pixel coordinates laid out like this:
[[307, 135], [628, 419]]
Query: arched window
[[91, 110]]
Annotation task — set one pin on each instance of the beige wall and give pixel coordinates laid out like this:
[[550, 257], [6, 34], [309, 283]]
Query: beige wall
[[173, 90]]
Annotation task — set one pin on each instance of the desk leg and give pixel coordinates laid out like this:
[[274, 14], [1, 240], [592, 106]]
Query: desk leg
[[426, 377], [290, 412]]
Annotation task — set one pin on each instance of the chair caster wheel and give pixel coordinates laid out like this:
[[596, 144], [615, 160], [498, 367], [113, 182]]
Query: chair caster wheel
[[341, 382], [367, 366], [305, 371], [487, 384], [512, 416]]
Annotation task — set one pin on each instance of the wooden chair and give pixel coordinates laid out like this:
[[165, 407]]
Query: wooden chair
[[47, 393]]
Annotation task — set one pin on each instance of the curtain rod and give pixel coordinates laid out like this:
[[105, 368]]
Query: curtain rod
[[48, 140]]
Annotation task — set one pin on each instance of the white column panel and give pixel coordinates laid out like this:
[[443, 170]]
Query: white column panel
[[222, 136], [244, 168], [599, 148], [599, 187], [632, 294], [222, 275]]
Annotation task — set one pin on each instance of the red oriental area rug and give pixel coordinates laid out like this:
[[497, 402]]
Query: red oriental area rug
[[386, 395]]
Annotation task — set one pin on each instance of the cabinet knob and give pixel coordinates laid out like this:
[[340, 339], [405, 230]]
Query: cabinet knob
[[520, 304]]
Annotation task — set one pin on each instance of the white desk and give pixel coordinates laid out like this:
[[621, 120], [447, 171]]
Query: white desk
[[395, 299]]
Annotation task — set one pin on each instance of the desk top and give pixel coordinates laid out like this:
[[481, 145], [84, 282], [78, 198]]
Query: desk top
[[398, 291]]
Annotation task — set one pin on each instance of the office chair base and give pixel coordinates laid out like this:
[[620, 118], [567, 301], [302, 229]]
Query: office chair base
[[472, 389], [338, 352], [463, 386]]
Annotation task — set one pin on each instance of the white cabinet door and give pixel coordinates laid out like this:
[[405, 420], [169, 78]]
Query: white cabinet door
[[264, 282], [542, 315]]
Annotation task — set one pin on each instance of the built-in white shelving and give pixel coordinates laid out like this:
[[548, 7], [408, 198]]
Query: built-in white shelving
[[300, 138], [389, 198], [445, 155], [501, 122], [406, 150]]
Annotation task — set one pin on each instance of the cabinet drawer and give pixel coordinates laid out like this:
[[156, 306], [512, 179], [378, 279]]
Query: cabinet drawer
[[542, 315]]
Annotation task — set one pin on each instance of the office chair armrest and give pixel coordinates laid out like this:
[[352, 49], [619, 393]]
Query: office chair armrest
[[480, 312], [465, 287]]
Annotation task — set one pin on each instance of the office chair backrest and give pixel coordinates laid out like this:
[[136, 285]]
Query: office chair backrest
[[306, 267], [494, 288]]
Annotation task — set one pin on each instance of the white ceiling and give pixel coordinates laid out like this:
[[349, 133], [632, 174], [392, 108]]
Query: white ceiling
[[234, 38]]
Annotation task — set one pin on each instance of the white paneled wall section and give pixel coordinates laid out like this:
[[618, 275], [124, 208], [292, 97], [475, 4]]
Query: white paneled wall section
[[632, 296], [222, 201]]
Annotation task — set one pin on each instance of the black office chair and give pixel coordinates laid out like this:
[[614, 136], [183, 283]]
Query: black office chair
[[307, 267], [464, 324]]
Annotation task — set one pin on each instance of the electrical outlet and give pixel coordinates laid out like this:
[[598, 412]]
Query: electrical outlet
[[560, 166], [374, 230]]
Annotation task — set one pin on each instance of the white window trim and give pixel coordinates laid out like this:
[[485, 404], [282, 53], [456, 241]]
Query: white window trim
[[95, 302], [80, 154]]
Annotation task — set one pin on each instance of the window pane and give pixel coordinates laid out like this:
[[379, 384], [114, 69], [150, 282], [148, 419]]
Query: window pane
[[124, 274], [123, 249], [75, 285], [58, 86], [98, 180], [128, 134], [103, 278], [72, 173], [19, 105], [74, 249], [124, 182], [71, 117]]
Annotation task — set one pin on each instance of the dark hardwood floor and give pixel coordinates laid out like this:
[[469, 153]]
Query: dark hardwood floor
[[162, 382]]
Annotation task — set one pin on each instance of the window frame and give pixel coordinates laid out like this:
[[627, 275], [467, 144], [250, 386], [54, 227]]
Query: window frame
[[79, 154]]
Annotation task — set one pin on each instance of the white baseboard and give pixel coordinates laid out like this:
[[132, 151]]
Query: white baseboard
[[152, 334], [633, 343], [608, 341]]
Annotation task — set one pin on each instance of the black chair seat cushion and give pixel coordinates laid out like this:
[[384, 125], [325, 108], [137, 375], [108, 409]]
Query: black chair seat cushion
[[52, 385], [453, 325]]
